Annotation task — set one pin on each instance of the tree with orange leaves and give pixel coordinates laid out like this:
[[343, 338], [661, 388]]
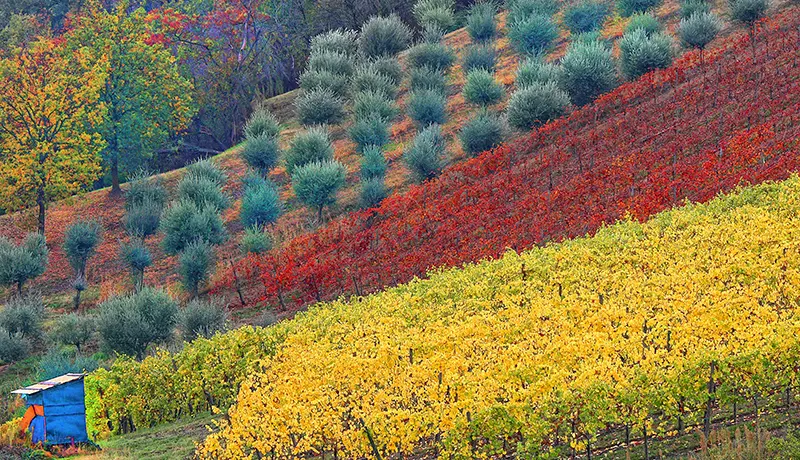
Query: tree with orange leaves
[[49, 110]]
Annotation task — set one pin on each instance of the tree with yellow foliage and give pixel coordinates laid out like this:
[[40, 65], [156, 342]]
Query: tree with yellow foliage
[[49, 109]]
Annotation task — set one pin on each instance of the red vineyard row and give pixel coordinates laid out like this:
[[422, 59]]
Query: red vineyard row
[[684, 133]]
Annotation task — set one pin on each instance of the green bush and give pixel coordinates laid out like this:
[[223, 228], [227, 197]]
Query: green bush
[[481, 24], [319, 107], [202, 192], [207, 169], [184, 222], [56, 363], [195, 265], [533, 35], [383, 36], [372, 131], [316, 184], [586, 16], [628, 7], [129, 324], [641, 53], [261, 204], [748, 11], [699, 29], [142, 220], [331, 61], [436, 13], [22, 316], [261, 153], [255, 240], [427, 107], [145, 189], [137, 257], [643, 21], [425, 79], [374, 104], [482, 89], [367, 78], [261, 123], [373, 163], [479, 57], [373, 191], [202, 318], [587, 71], [313, 80], [536, 104], [21, 263], [521, 9], [483, 132], [338, 41], [535, 70], [434, 56], [389, 67], [12, 348], [689, 7], [425, 156], [73, 329], [307, 147]]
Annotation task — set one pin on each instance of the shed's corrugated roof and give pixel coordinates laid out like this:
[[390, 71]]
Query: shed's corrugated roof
[[47, 384]]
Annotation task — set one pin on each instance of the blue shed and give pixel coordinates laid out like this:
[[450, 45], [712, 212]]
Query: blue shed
[[56, 410]]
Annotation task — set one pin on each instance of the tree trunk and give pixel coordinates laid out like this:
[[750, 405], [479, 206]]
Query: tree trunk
[[115, 189], [40, 201]]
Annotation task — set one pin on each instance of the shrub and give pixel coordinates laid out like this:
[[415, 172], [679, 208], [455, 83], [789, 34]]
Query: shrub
[[389, 67], [313, 80], [532, 35], [689, 7], [319, 106], [426, 79], [73, 329], [536, 104], [307, 147], [207, 169], [748, 11], [202, 318], [482, 89], [372, 131], [587, 71], [129, 324], [255, 240], [80, 243], [184, 222], [368, 79], [437, 13], [20, 263], [261, 204], [12, 348], [261, 153], [338, 41], [479, 57], [593, 36], [56, 363], [22, 316], [484, 131], [373, 104], [425, 156], [144, 189], [629, 7], [332, 62], [586, 16], [481, 24], [699, 29], [373, 191], [137, 257], [427, 107], [383, 36], [373, 163], [641, 53], [521, 9], [261, 123], [202, 192], [196, 262], [643, 21], [316, 184], [431, 33], [434, 56], [142, 220], [535, 70]]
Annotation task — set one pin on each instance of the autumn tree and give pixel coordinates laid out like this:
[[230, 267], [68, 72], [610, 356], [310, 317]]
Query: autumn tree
[[49, 109], [147, 98]]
